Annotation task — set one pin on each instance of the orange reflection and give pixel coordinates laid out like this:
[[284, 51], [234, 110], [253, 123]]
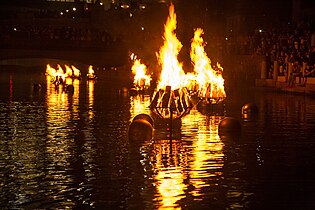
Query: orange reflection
[[91, 84], [169, 162], [171, 187], [200, 149], [139, 105], [207, 155]]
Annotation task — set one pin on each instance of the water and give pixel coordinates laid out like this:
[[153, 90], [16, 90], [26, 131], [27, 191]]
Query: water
[[62, 151]]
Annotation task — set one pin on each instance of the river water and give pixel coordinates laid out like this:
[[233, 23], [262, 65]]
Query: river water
[[72, 151]]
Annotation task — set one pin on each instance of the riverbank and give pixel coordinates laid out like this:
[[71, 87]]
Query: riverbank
[[281, 84]]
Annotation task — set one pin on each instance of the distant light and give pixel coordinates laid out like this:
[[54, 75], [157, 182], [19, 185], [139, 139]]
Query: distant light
[[226, 38], [231, 30], [130, 14], [67, 10], [101, 3], [61, 13], [124, 6], [260, 30], [142, 7], [142, 28], [14, 29], [74, 9]]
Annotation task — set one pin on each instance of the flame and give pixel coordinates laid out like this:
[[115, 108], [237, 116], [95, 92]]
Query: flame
[[69, 72], [76, 71], [210, 81], [172, 72], [91, 74], [141, 79]]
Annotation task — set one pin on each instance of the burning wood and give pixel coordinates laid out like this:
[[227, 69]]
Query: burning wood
[[209, 80], [168, 103], [171, 100]]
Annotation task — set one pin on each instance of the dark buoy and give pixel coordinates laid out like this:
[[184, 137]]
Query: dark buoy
[[144, 117], [230, 125], [249, 112], [140, 130], [249, 108], [37, 87], [133, 92], [70, 89]]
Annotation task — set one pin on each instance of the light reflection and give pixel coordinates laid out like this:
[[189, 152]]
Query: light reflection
[[169, 163], [206, 155], [91, 84], [139, 105], [171, 187], [62, 111]]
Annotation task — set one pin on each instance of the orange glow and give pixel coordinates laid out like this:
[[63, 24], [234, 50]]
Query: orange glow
[[210, 81], [172, 72], [76, 71], [59, 72], [139, 70], [171, 187], [68, 71], [91, 74]]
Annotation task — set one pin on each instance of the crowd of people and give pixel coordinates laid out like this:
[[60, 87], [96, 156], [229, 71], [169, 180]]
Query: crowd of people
[[11, 35], [292, 50]]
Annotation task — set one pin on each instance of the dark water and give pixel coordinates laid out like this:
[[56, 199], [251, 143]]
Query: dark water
[[62, 151]]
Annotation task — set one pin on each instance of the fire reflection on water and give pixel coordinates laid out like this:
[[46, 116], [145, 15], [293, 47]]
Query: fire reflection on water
[[63, 113], [183, 167], [139, 104]]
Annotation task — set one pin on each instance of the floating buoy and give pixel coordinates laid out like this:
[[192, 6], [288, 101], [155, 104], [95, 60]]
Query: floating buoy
[[249, 112], [249, 108], [144, 117], [37, 87], [229, 125], [70, 89], [133, 92], [140, 130]]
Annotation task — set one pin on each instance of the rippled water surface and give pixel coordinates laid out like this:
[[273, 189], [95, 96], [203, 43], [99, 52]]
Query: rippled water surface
[[72, 151]]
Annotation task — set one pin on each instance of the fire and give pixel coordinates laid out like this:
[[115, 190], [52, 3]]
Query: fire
[[76, 72], [91, 74], [57, 74], [172, 72], [209, 81], [139, 70]]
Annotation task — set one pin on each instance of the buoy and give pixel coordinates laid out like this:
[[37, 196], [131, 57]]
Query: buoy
[[70, 89], [249, 108], [144, 117], [249, 112], [140, 130], [37, 87], [229, 125], [133, 91]]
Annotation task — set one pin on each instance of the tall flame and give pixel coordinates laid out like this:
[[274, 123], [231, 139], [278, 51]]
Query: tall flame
[[209, 80], [139, 70], [172, 72]]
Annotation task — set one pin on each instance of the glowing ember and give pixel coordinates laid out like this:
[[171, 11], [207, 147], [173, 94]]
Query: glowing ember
[[210, 82], [141, 79]]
